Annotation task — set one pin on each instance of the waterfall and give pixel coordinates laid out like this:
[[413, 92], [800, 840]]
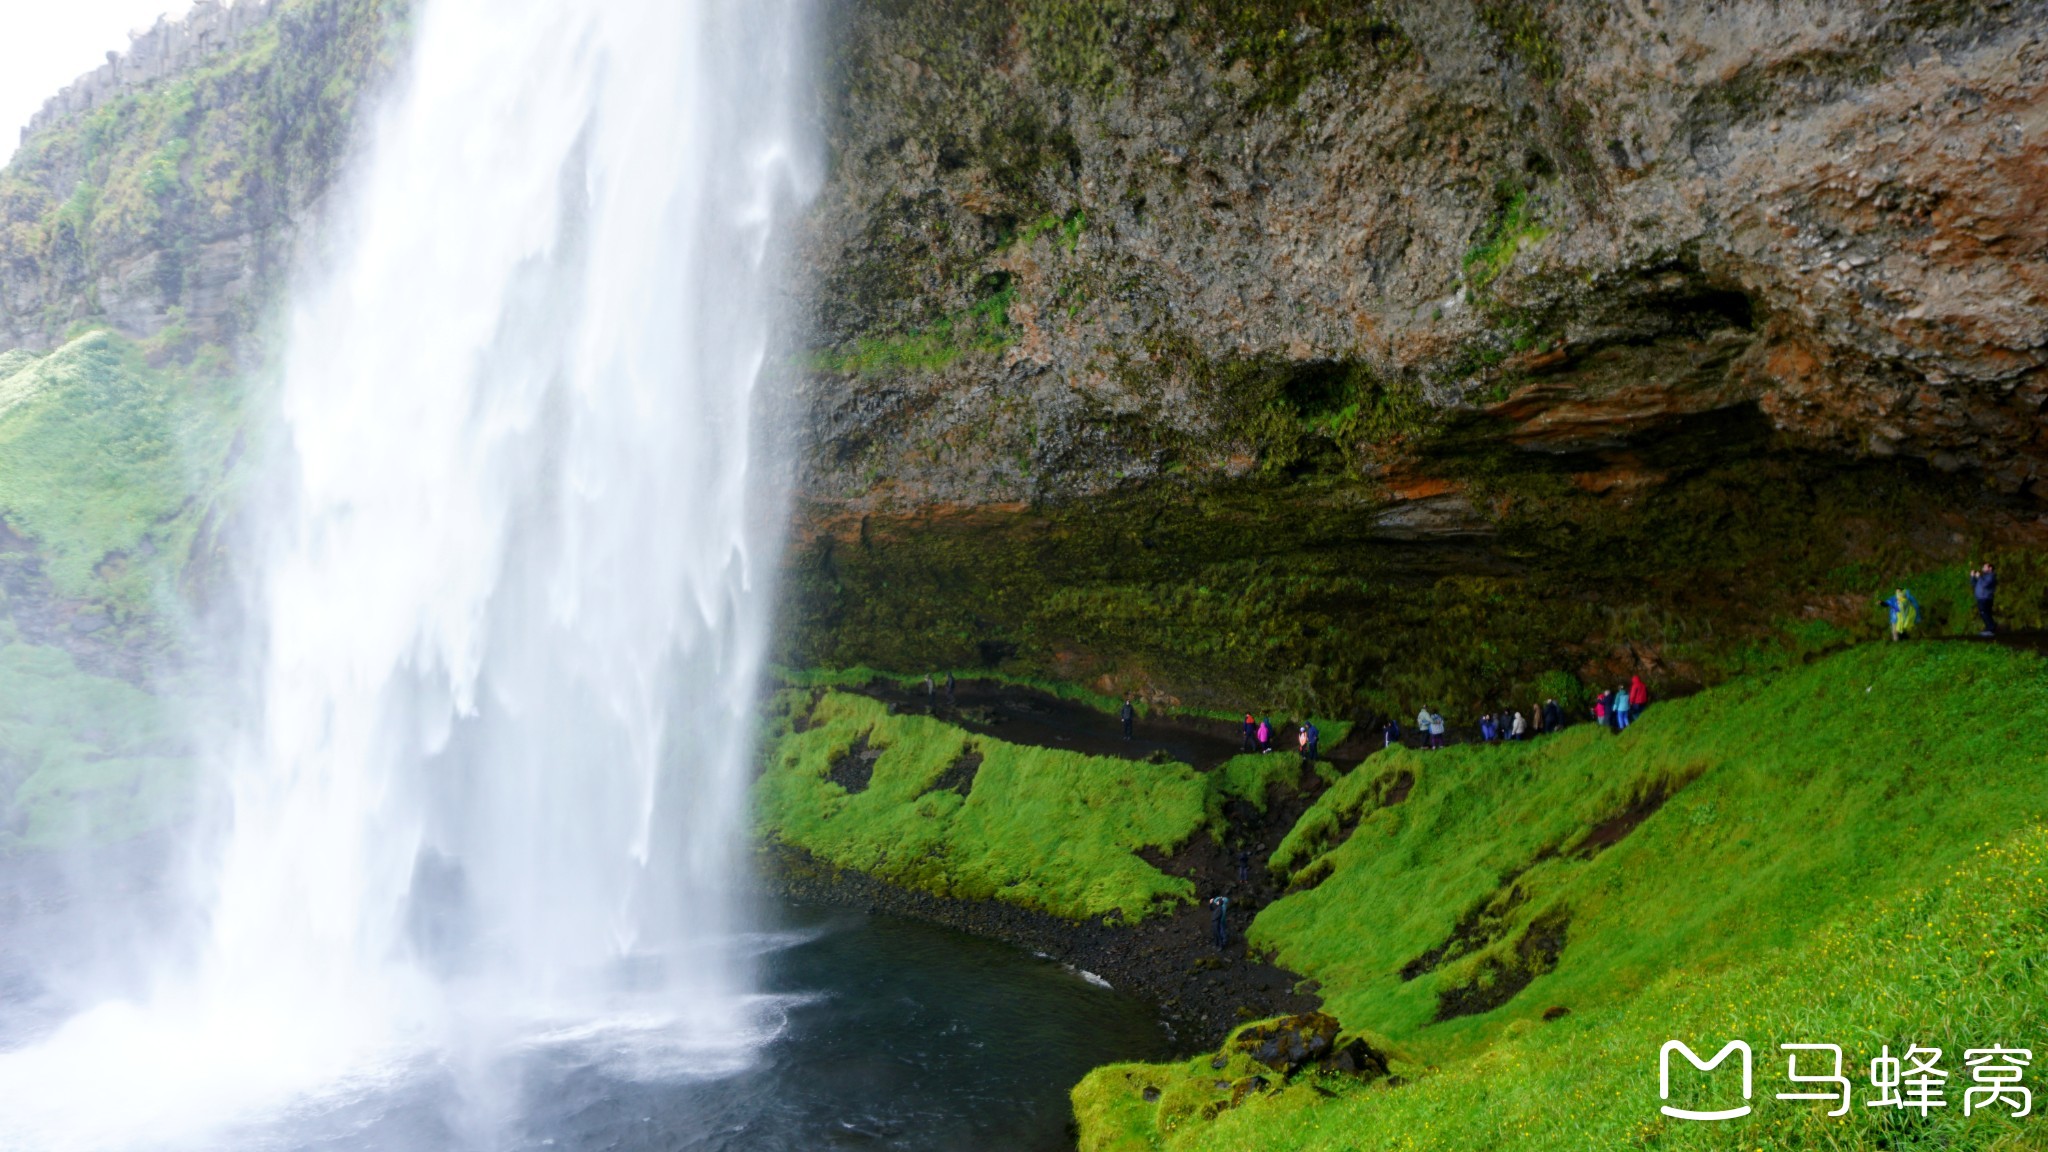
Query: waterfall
[[509, 594]]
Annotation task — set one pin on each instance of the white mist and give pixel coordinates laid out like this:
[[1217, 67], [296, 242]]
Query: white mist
[[511, 592]]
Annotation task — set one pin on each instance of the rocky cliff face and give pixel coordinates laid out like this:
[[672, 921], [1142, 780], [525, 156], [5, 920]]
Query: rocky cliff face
[[1451, 291], [163, 190], [1322, 350], [1828, 210]]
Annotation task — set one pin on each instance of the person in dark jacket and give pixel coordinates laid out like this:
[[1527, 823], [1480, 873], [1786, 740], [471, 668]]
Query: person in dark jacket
[[1251, 734], [1391, 733], [1219, 913], [951, 685], [1553, 716], [1487, 731], [1244, 866], [1312, 742], [1129, 716], [1984, 583]]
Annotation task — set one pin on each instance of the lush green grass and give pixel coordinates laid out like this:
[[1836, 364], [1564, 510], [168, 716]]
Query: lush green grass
[[82, 758], [105, 462], [1954, 964], [1776, 897], [1041, 828]]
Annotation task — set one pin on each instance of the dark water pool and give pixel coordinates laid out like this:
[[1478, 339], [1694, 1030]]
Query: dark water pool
[[918, 1038], [892, 1035]]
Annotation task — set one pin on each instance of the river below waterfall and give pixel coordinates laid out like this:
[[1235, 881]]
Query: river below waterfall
[[881, 1034]]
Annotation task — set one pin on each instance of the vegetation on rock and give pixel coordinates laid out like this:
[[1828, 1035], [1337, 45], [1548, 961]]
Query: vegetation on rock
[[1041, 828], [1850, 852]]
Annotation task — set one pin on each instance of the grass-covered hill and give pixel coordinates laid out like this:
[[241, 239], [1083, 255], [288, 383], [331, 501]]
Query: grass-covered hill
[[114, 463], [1852, 853], [924, 804]]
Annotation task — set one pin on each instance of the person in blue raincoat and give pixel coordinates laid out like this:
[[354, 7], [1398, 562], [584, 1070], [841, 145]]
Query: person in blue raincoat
[[1905, 613]]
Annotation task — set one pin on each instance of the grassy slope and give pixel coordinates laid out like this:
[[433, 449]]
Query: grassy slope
[[110, 463], [82, 757], [102, 455], [1827, 861], [1041, 828]]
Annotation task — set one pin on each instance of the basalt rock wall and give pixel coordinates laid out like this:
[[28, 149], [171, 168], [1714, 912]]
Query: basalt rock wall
[[1627, 335]]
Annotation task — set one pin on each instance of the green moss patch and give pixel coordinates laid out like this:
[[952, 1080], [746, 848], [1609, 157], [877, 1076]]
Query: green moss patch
[[1850, 852], [83, 758], [1041, 828], [105, 463]]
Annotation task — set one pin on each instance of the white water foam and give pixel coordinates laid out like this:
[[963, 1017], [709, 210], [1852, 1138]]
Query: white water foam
[[510, 591]]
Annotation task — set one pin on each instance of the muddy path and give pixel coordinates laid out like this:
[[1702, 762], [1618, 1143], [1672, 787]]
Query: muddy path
[[1201, 991], [1029, 716]]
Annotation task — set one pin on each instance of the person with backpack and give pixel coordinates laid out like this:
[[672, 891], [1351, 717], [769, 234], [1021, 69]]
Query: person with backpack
[[1219, 913], [1905, 613], [1984, 585]]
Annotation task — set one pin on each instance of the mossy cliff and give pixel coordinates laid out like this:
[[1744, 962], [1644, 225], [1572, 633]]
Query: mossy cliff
[[174, 204], [1356, 351]]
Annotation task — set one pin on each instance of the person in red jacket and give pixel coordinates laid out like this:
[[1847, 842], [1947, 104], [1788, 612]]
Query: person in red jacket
[[1638, 695]]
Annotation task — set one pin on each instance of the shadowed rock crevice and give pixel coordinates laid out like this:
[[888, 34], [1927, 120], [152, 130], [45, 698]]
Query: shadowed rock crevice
[[855, 768], [1500, 977], [959, 775]]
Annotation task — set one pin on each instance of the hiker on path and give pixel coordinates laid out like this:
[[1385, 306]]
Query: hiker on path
[[1422, 725], [1436, 728], [950, 685], [1127, 714], [1905, 613], [1251, 734], [1312, 742], [1638, 696], [1391, 732], [1984, 583], [930, 692], [1265, 735], [1600, 709], [1219, 911], [1486, 729], [1553, 716], [1621, 710], [1244, 866], [1520, 728]]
